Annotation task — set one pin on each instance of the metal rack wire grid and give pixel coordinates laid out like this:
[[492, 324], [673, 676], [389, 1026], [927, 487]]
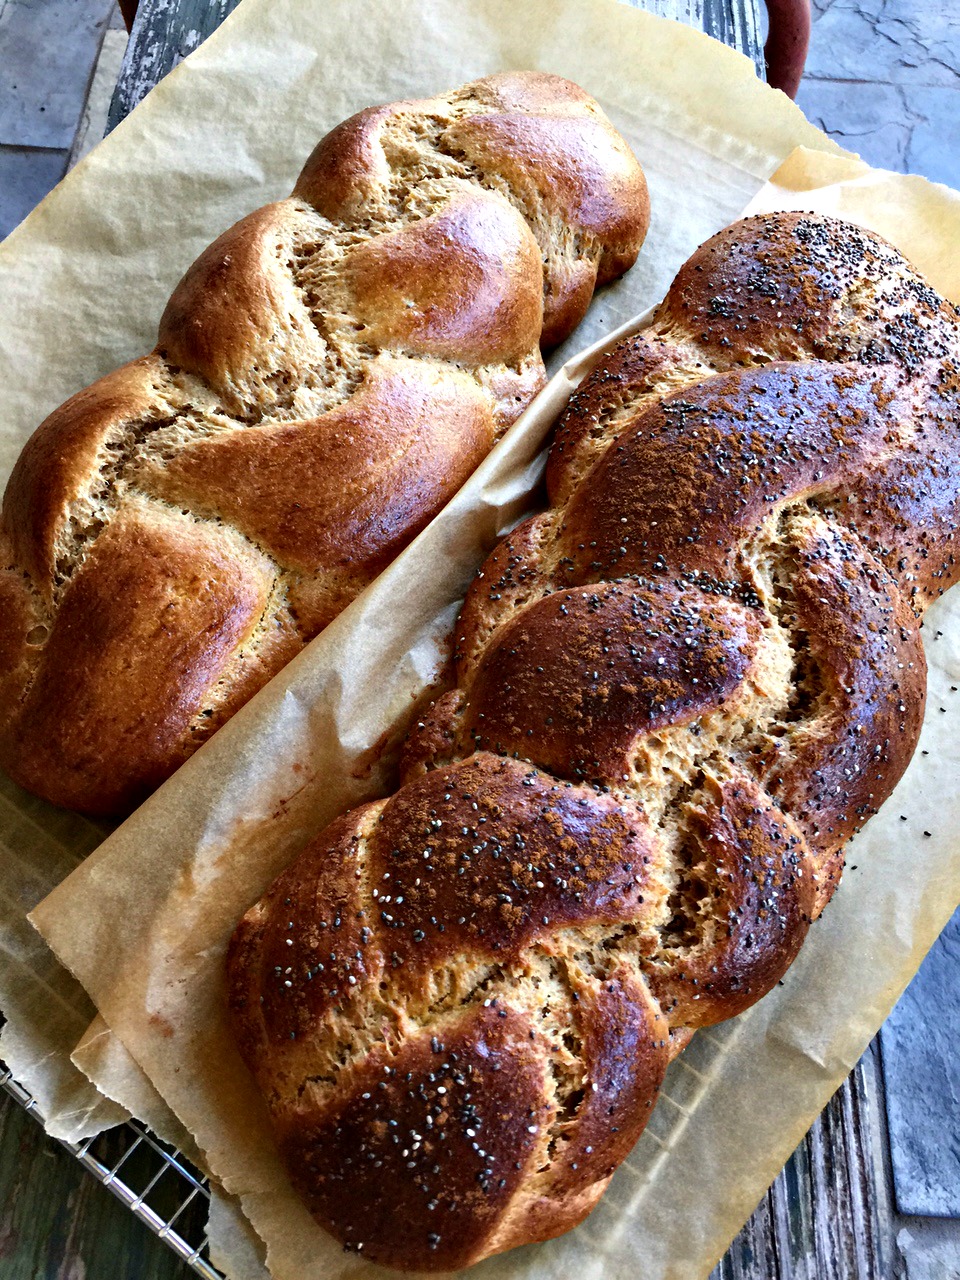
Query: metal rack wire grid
[[151, 1178]]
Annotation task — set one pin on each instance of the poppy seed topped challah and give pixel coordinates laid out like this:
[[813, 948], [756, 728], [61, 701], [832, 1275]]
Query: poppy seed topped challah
[[678, 692], [328, 373]]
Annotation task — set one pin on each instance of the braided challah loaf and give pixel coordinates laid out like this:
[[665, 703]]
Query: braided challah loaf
[[678, 692], [327, 375]]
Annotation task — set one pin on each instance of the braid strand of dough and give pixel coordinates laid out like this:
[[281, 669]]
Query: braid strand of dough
[[678, 692], [328, 374]]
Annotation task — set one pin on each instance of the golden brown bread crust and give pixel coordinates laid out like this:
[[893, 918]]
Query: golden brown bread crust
[[677, 693], [541, 141], [187, 592], [462, 907], [327, 375]]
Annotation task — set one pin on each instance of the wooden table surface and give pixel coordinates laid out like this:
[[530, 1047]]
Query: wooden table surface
[[829, 1216]]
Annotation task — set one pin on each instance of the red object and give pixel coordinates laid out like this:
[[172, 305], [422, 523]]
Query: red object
[[128, 9], [787, 42]]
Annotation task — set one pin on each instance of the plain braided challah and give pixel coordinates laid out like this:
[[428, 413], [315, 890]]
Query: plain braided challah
[[678, 692], [327, 375]]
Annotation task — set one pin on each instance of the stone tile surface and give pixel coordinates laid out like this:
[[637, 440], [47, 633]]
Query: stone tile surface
[[910, 42], [911, 130], [883, 79], [934, 146], [47, 51], [871, 119], [25, 178], [58, 65], [927, 1249]]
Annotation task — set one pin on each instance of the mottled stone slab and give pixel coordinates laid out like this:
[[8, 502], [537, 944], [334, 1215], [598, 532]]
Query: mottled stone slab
[[871, 119], [911, 129], [934, 151], [928, 1249], [47, 52], [883, 79], [909, 42], [920, 1061]]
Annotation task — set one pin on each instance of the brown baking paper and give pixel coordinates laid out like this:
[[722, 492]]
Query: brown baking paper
[[144, 920], [84, 280]]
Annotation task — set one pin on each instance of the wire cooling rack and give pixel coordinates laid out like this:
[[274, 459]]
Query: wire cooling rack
[[152, 1179]]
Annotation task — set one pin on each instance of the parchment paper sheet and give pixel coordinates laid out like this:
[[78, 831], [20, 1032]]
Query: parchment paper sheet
[[84, 280], [46, 1009], [144, 921], [736, 1102]]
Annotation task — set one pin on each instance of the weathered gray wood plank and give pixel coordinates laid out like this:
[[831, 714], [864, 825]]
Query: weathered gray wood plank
[[59, 1223], [827, 1217], [164, 32], [733, 22]]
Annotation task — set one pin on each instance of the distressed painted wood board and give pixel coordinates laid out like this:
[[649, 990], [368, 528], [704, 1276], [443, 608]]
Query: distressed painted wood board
[[828, 1215], [163, 33], [59, 1223]]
